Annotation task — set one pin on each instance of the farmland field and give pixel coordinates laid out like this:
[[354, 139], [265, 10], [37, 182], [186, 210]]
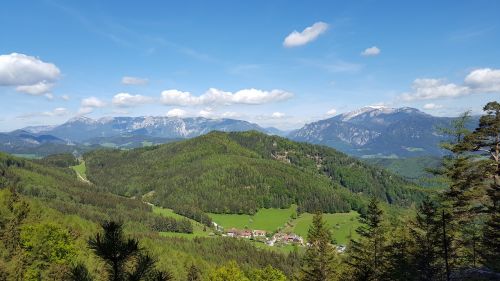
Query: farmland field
[[265, 219], [342, 225]]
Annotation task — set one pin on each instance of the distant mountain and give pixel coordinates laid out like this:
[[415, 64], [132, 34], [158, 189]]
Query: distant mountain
[[81, 129], [24, 142], [378, 132], [276, 132]]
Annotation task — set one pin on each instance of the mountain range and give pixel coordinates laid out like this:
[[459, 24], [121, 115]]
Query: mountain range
[[369, 132], [379, 132]]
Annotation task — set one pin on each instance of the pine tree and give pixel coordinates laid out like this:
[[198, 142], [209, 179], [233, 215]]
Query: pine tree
[[399, 260], [79, 273], [426, 235], [320, 255], [123, 257], [486, 141], [114, 249], [459, 201], [365, 257]]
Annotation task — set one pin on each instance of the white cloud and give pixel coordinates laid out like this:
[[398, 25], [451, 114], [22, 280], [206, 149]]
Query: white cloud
[[372, 51], [176, 97], [92, 102], [176, 112], [218, 97], [309, 34], [28, 74], [331, 112], [277, 115], [231, 114], [18, 69], [432, 106], [59, 111], [49, 96], [65, 97], [206, 114], [128, 100], [129, 80], [37, 89], [85, 110], [426, 89], [484, 80], [87, 105]]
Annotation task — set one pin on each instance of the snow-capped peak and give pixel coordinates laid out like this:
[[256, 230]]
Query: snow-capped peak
[[367, 109], [82, 119]]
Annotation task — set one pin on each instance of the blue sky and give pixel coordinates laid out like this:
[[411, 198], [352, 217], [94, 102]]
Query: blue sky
[[242, 59]]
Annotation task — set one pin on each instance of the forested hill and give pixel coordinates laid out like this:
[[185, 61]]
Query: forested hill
[[242, 171]]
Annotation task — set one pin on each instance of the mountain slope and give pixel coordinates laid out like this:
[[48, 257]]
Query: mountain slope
[[24, 142], [378, 132], [46, 223], [81, 129], [241, 172]]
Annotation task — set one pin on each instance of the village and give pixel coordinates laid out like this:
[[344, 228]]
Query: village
[[278, 238]]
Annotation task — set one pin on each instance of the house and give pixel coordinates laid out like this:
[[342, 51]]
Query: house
[[341, 248], [246, 234], [259, 233], [233, 232]]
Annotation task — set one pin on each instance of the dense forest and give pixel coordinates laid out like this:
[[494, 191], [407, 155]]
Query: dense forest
[[241, 172], [47, 216]]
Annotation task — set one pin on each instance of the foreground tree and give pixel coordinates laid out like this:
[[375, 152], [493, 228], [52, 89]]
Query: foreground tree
[[123, 258], [485, 140], [229, 272], [427, 251], [365, 257], [268, 273], [320, 254]]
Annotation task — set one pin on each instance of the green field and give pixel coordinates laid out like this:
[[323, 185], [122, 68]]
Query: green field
[[265, 219], [342, 225], [81, 169]]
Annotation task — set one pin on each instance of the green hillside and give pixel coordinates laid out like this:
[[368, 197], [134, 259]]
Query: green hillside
[[47, 216], [243, 172], [414, 169]]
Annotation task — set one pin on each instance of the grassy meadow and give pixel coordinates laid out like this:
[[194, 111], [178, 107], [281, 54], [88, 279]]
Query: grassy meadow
[[80, 169], [265, 219], [342, 225]]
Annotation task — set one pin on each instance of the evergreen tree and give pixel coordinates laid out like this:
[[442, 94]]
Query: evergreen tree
[[119, 252], [79, 273], [460, 200], [485, 140], [365, 256], [320, 254], [399, 260], [114, 249], [426, 234]]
